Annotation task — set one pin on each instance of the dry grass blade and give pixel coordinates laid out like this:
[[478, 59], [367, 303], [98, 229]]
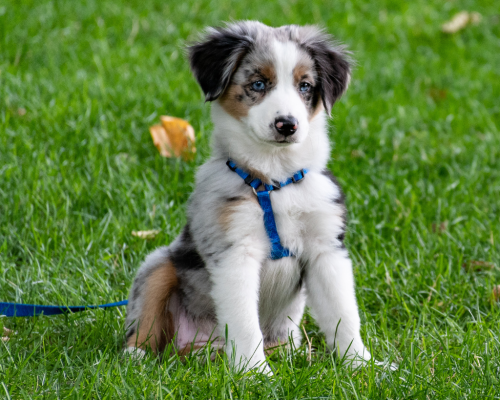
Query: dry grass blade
[[309, 345], [460, 21], [151, 234], [496, 292], [477, 266]]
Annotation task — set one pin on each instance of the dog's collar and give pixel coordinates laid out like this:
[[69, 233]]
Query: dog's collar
[[255, 183], [264, 198]]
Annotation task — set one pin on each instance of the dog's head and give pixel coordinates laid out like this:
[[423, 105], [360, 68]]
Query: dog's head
[[273, 81]]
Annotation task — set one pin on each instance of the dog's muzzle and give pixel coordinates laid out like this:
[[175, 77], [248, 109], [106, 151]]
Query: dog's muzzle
[[286, 126]]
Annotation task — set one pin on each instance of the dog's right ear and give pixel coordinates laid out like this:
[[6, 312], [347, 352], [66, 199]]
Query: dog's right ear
[[214, 59]]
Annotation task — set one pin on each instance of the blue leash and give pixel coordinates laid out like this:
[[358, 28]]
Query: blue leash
[[277, 249], [264, 198], [33, 310]]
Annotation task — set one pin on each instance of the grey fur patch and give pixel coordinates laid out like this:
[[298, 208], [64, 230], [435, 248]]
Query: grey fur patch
[[340, 200], [194, 293]]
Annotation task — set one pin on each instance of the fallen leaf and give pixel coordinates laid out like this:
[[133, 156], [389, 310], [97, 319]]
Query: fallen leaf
[[146, 234], [161, 140], [460, 21], [174, 137], [477, 266], [496, 292], [180, 133], [21, 111], [441, 228]]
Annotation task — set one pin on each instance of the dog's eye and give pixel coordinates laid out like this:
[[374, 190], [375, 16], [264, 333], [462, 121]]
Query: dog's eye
[[305, 87], [258, 86]]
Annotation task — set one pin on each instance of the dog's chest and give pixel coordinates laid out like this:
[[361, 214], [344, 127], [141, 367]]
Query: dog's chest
[[306, 212]]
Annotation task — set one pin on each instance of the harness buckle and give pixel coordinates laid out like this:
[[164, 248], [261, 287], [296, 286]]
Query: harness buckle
[[231, 167], [294, 180]]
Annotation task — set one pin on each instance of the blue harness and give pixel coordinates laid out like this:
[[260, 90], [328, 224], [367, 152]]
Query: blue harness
[[264, 198]]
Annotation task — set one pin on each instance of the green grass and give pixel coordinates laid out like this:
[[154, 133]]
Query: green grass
[[417, 149]]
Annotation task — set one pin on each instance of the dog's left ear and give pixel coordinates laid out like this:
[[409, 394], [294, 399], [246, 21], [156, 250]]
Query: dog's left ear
[[214, 59], [333, 64]]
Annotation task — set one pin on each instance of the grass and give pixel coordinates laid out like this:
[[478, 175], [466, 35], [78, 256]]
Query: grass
[[417, 149]]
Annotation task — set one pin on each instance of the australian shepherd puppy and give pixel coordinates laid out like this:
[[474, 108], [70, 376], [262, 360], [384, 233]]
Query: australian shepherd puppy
[[272, 90]]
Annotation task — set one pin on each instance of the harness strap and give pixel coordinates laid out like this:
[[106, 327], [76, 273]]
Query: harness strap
[[33, 310], [277, 249], [264, 198]]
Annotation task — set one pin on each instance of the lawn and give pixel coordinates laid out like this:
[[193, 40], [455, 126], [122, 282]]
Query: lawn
[[416, 148]]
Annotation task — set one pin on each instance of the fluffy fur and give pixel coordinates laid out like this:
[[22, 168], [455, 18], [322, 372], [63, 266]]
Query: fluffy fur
[[216, 277]]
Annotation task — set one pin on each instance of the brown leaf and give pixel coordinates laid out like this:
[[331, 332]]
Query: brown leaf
[[460, 21], [496, 292], [146, 234], [477, 266]]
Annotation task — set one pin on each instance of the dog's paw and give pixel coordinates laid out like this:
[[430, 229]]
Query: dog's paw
[[135, 353]]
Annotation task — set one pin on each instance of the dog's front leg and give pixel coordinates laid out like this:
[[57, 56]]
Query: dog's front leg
[[331, 296], [235, 292]]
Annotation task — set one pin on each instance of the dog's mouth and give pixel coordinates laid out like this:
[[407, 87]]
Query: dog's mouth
[[280, 142], [283, 140]]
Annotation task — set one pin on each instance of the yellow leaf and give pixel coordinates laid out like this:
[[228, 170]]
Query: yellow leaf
[[174, 137]]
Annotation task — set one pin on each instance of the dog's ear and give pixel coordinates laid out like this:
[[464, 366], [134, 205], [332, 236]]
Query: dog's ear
[[332, 62], [215, 58]]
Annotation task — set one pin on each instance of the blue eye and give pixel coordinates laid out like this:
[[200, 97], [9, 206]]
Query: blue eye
[[258, 86], [305, 87]]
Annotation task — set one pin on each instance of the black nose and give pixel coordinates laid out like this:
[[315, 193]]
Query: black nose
[[286, 125]]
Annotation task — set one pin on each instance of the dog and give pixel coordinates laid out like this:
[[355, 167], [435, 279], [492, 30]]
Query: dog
[[231, 276]]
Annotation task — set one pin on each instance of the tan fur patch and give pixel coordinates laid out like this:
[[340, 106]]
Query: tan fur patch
[[232, 100], [237, 99], [301, 72], [227, 211], [304, 71], [156, 326], [268, 72], [315, 111]]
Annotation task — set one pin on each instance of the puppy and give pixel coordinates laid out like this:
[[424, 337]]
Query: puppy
[[251, 256]]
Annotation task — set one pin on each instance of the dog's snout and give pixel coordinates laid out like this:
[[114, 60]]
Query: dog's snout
[[286, 125]]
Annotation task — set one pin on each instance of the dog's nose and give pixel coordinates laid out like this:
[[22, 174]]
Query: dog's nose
[[286, 125]]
